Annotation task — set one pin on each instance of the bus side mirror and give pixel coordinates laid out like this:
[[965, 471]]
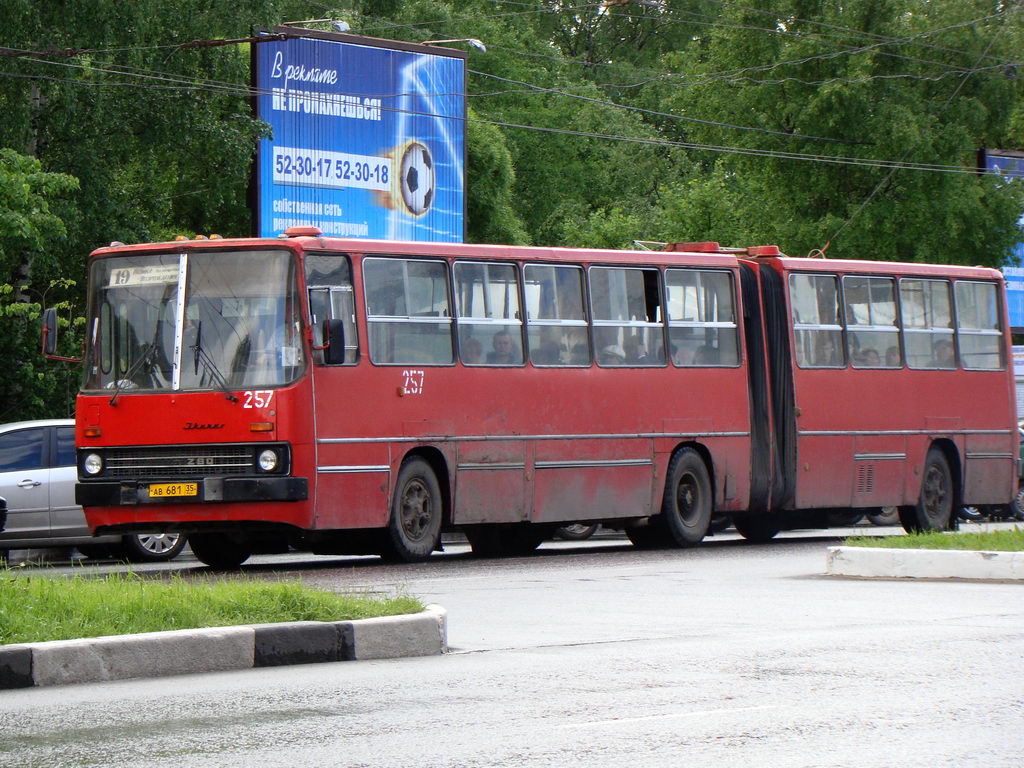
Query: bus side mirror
[[334, 341], [49, 332]]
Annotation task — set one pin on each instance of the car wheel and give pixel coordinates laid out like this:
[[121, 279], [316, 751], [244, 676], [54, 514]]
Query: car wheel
[[153, 547], [887, 516], [576, 531]]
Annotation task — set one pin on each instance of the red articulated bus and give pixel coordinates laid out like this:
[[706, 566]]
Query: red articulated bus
[[346, 396]]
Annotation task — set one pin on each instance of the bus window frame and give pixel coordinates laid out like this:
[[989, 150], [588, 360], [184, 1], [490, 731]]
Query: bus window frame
[[595, 323], [857, 328], [932, 330], [330, 290], [410, 319], [472, 320], [794, 327], [1000, 331], [585, 323], [737, 311]]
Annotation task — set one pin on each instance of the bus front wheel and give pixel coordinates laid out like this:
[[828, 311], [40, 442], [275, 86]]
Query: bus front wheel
[[414, 530], [934, 508], [219, 550]]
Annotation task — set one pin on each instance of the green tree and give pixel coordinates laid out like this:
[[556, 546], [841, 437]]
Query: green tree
[[29, 234]]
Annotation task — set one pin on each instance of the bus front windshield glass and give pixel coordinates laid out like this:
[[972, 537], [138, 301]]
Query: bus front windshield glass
[[192, 321]]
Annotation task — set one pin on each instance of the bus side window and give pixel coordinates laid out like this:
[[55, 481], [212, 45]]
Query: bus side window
[[870, 310], [925, 310], [702, 328], [556, 320], [489, 326], [329, 279], [626, 307], [817, 329], [408, 311], [978, 327]]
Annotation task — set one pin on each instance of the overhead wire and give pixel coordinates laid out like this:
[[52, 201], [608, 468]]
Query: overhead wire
[[727, 149]]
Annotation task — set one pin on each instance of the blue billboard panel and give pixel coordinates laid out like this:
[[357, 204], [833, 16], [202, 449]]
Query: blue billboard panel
[[366, 141], [1010, 165]]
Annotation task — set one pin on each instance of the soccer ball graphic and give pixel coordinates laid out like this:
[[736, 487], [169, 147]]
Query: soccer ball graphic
[[417, 178]]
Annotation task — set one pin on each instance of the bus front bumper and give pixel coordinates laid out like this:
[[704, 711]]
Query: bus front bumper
[[207, 489]]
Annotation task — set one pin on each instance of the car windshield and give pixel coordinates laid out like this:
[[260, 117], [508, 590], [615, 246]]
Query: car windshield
[[207, 320]]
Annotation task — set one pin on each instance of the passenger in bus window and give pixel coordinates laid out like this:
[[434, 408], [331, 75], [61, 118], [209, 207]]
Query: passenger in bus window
[[943, 354], [636, 352], [504, 350], [613, 354], [892, 357], [826, 354], [869, 358], [549, 351], [472, 351]]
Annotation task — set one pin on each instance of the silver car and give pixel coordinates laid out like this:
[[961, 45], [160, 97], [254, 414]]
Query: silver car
[[37, 477]]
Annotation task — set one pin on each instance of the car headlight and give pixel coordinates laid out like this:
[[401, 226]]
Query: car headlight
[[93, 464], [268, 460]]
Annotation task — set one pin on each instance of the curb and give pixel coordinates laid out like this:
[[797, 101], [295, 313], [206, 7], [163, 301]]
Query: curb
[[880, 563], [219, 649]]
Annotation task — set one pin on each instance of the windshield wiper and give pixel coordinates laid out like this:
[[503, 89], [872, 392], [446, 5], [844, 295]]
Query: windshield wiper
[[209, 366], [126, 379]]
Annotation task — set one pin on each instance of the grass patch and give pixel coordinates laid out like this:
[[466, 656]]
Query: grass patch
[[35, 608], [991, 541]]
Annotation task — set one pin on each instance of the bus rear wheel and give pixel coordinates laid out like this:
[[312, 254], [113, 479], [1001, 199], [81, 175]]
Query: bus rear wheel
[[934, 508], [414, 530], [219, 550], [687, 504]]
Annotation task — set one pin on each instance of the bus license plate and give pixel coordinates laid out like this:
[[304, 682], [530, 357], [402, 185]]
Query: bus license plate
[[166, 490]]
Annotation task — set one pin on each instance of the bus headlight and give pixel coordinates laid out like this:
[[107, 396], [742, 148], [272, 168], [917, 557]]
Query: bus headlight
[[268, 460], [93, 464]]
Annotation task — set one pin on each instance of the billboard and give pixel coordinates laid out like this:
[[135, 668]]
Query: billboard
[[1010, 165], [368, 137]]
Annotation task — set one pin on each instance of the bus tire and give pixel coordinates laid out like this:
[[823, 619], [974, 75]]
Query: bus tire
[[219, 550], [934, 508], [687, 504], [414, 530], [756, 528]]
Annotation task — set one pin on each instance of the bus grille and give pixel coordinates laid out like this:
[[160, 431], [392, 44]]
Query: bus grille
[[179, 461]]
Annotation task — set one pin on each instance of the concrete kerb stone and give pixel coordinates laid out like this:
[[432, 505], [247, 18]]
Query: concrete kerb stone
[[885, 563], [218, 649]]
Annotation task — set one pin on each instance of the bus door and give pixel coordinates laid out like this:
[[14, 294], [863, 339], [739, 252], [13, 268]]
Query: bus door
[[352, 468]]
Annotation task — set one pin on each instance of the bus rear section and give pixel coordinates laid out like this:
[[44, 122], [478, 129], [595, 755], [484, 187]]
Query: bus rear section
[[897, 380]]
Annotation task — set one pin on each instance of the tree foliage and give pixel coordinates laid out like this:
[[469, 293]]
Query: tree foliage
[[591, 124]]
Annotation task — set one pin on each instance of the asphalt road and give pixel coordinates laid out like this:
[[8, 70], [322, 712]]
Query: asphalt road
[[593, 655]]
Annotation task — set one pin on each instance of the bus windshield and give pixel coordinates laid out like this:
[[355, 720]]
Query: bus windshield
[[194, 321]]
